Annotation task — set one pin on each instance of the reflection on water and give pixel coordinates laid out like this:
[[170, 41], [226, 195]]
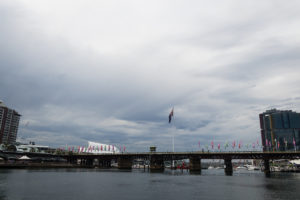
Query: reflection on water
[[142, 185], [2, 187]]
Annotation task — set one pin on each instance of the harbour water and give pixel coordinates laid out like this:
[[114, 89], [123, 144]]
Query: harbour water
[[138, 184]]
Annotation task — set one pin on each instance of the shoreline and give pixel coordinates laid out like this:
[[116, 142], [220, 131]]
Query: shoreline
[[40, 165]]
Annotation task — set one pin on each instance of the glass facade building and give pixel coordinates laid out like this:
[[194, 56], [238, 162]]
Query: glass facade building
[[280, 130], [9, 123]]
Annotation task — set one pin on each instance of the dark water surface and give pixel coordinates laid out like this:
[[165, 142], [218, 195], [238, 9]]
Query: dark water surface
[[137, 184]]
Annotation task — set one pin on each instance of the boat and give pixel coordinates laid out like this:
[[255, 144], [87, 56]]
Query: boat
[[182, 166], [252, 167], [241, 167], [275, 169]]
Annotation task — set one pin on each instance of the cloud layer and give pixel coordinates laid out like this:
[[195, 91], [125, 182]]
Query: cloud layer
[[111, 71]]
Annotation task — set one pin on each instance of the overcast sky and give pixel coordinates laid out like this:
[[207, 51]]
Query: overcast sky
[[111, 71]]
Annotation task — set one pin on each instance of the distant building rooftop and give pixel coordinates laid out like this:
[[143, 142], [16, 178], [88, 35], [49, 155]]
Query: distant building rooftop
[[274, 110], [2, 104]]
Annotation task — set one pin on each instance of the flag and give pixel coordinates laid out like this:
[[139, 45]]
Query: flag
[[226, 145], [212, 144], [171, 115], [294, 142], [285, 142], [219, 146]]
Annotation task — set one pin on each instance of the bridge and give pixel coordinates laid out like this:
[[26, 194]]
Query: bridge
[[156, 159]]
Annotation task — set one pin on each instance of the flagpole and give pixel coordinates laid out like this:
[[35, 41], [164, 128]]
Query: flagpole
[[173, 162], [171, 115], [173, 132], [173, 144]]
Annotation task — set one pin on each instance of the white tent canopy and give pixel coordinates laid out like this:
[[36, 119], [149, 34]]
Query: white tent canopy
[[297, 162], [25, 158], [94, 147]]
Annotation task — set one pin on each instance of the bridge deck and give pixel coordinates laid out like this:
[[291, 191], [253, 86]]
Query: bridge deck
[[167, 155]]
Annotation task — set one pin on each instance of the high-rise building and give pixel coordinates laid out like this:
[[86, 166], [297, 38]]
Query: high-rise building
[[280, 130], [9, 123]]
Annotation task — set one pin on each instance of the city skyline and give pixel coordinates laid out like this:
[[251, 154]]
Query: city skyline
[[112, 71]]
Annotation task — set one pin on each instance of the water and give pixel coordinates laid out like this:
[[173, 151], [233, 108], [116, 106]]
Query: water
[[137, 184]]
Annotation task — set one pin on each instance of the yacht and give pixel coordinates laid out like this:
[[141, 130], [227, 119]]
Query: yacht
[[252, 167], [241, 167]]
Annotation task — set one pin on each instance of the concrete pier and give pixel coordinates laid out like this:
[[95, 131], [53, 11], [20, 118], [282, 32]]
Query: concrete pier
[[73, 161], [228, 167], [104, 163], [124, 162], [156, 163], [195, 164], [267, 168], [89, 162]]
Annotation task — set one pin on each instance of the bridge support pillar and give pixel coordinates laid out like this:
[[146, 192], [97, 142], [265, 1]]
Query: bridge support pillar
[[108, 163], [124, 163], [195, 165], [156, 163], [73, 161], [89, 162], [267, 167], [100, 163], [228, 166], [104, 163], [82, 161]]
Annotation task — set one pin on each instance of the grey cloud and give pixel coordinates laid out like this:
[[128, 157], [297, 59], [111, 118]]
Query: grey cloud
[[67, 92]]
